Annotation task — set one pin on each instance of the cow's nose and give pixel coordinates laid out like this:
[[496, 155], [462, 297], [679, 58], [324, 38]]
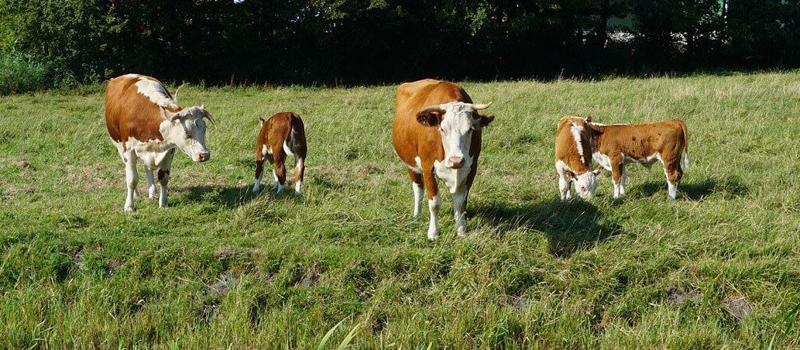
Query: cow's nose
[[204, 156], [456, 162]]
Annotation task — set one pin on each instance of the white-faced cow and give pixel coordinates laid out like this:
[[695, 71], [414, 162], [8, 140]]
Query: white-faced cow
[[574, 157], [437, 133], [281, 135], [145, 123], [618, 144]]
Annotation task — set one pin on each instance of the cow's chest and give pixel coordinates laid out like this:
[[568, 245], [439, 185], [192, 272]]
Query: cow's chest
[[452, 178], [151, 153]]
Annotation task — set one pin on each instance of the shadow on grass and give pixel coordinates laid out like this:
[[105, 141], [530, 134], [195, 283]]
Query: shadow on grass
[[230, 197], [569, 226], [697, 191]]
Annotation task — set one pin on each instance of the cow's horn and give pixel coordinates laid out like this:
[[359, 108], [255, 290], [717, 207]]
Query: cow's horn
[[177, 91], [480, 106], [210, 118]]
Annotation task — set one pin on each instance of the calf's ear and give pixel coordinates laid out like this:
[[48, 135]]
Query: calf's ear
[[431, 116], [572, 176]]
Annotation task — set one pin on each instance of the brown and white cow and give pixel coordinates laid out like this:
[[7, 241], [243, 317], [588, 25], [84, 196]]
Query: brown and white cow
[[618, 144], [574, 157], [146, 123], [437, 134], [281, 135]]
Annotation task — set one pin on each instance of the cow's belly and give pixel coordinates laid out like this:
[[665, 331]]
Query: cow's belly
[[151, 153]]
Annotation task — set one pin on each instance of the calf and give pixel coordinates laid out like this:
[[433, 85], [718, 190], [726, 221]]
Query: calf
[[618, 144], [281, 135], [437, 134], [573, 157], [146, 123]]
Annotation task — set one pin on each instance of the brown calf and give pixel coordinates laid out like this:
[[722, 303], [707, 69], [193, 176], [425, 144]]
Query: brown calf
[[437, 134], [619, 144], [281, 135]]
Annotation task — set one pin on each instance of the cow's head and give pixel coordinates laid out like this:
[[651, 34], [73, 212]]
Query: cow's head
[[585, 183], [187, 130], [456, 122]]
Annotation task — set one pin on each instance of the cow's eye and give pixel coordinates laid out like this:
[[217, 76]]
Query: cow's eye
[[441, 129]]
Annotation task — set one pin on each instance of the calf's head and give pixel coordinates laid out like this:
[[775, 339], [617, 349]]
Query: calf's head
[[586, 183], [456, 122], [187, 130]]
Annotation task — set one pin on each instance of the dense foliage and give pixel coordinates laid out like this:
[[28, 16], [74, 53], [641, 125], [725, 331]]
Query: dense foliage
[[368, 41]]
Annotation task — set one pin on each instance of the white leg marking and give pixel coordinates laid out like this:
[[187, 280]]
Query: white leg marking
[[417, 197], [616, 190], [278, 185], [131, 178], [433, 225], [673, 190], [257, 182], [459, 214], [298, 186], [151, 183], [622, 180], [162, 195], [563, 187]]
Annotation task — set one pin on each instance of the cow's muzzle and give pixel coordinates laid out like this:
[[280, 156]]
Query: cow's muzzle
[[455, 162], [202, 157]]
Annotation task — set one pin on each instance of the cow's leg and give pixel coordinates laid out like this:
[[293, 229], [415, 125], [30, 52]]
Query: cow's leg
[[622, 179], [299, 173], [674, 173], [151, 183], [131, 179], [617, 169], [563, 186], [434, 202], [163, 178], [280, 169], [416, 186], [459, 210], [259, 175]]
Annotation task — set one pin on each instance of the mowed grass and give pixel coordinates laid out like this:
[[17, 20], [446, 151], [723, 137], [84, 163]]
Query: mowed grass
[[225, 268]]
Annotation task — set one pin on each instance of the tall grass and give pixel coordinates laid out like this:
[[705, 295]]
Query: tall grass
[[21, 73]]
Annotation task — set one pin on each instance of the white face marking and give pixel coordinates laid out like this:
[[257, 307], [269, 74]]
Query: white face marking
[[155, 92], [187, 132], [585, 185], [576, 135], [456, 128]]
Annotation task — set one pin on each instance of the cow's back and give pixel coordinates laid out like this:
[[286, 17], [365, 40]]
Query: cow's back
[[643, 140], [409, 137], [129, 113]]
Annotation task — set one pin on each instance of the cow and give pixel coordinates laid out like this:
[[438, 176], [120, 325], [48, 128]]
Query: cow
[[145, 123], [437, 134], [574, 157], [618, 144], [281, 135]]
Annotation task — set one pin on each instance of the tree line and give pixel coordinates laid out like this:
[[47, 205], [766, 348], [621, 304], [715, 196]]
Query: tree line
[[381, 41]]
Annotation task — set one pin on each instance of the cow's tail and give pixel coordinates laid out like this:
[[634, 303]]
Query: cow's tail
[[685, 146], [299, 148]]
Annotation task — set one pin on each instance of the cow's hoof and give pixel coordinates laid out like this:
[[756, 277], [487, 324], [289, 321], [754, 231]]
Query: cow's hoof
[[256, 189], [128, 209], [432, 236], [462, 232]]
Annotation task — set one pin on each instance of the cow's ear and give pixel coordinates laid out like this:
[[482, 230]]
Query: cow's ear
[[572, 176], [589, 118], [430, 116], [486, 119], [261, 121]]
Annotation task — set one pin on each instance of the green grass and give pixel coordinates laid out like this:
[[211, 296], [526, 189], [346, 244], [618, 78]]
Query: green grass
[[718, 268]]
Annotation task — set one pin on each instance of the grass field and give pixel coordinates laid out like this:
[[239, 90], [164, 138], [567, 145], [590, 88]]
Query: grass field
[[225, 268]]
